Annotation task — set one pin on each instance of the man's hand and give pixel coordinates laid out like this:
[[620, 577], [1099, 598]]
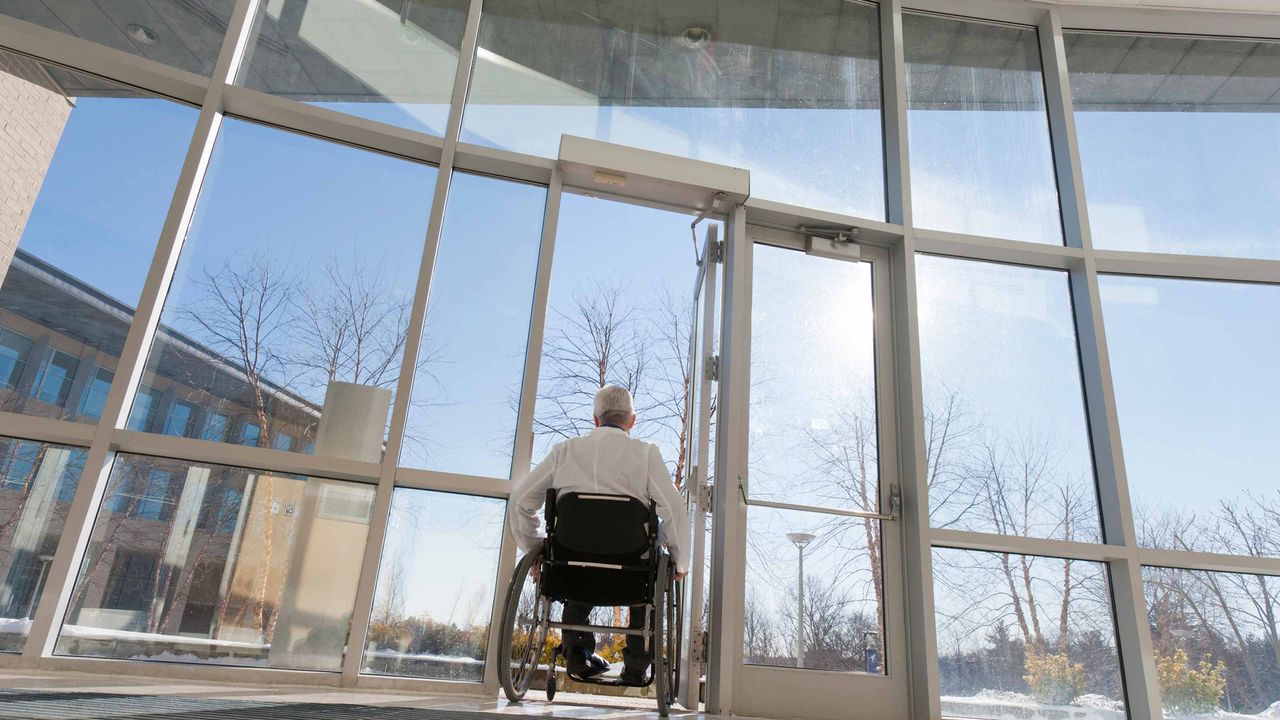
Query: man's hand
[[681, 575], [536, 572]]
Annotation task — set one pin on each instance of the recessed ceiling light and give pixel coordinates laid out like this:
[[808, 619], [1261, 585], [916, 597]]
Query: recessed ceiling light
[[142, 34], [695, 37]]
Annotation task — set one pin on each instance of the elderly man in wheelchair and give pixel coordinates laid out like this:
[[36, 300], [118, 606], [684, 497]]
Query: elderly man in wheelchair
[[616, 534]]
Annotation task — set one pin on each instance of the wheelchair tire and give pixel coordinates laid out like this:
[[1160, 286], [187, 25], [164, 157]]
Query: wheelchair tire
[[516, 673], [662, 648], [551, 686]]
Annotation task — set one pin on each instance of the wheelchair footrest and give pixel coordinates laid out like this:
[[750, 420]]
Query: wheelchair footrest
[[606, 629]]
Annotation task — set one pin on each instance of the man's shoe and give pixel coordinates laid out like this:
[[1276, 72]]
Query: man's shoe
[[634, 676], [584, 665]]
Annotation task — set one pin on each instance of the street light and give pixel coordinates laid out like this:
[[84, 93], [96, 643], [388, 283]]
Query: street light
[[801, 540]]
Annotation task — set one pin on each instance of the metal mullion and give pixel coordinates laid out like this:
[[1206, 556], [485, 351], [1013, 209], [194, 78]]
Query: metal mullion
[[503, 163], [1019, 252], [366, 586], [42, 429], [252, 457], [770, 213], [1188, 267], [922, 654], [1022, 545], [522, 451], [326, 124], [93, 480], [101, 61], [1128, 603], [440, 481], [724, 654], [1209, 562]]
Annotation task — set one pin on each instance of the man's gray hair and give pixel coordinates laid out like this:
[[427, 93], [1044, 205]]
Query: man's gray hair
[[613, 406]]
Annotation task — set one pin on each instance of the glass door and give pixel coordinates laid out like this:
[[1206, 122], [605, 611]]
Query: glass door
[[821, 630], [697, 488]]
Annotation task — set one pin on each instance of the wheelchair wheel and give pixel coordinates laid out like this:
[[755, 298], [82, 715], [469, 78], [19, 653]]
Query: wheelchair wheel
[[524, 630], [663, 687]]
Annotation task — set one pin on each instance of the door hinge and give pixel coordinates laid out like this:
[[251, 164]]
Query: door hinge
[[704, 497], [713, 367], [717, 251], [698, 647]]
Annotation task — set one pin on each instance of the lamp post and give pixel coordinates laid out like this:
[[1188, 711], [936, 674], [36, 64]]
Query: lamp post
[[800, 540]]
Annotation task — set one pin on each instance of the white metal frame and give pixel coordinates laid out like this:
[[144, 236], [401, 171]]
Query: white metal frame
[[217, 96]]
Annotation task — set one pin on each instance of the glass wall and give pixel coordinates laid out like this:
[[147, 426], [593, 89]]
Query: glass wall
[[384, 60], [790, 91], [1006, 436], [1200, 474], [201, 563], [89, 170], [38, 481], [1177, 142], [981, 161], [431, 610], [289, 307], [815, 580], [1214, 636], [466, 389], [1027, 635]]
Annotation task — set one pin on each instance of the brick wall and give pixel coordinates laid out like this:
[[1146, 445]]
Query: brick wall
[[32, 115]]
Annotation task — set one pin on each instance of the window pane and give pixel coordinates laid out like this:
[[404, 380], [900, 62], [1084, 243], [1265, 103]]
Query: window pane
[[431, 610], [186, 35], [467, 386], [1005, 428], [1026, 637], [981, 161], [1215, 640], [1155, 116], [89, 170], [204, 563], [37, 483], [1193, 364], [790, 91], [292, 294], [813, 411], [392, 61], [840, 619], [625, 273]]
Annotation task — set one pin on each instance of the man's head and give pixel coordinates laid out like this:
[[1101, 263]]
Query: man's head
[[613, 406]]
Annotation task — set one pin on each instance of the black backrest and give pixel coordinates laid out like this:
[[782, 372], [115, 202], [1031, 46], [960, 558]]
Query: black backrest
[[598, 524]]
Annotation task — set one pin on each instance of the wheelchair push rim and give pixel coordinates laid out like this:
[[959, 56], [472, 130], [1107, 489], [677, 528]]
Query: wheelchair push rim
[[523, 633]]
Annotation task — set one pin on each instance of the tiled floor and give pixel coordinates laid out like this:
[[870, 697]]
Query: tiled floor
[[81, 696]]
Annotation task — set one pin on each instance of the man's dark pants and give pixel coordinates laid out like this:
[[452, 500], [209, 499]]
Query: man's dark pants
[[634, 656]]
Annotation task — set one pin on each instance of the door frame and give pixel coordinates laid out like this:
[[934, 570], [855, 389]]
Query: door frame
[[733, 686]]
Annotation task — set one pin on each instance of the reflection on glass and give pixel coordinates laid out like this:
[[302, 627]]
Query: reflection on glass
[[813, 412], [1197, 453], [1155, 116], [289, 306], [790, 93], [187, 35], [1215, 641], [620, 311], [392, 61], [466, 391], [88, 172], [1005, 428], [981, 161], [203, 563], [37, 484], [431, 610], [838, 615], [1024, 636]]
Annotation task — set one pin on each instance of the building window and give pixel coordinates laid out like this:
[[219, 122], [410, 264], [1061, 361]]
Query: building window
[[179, 418], [53, 381], [216, 426], [14, 351], [142, 416], [95, 393], [250, 432]]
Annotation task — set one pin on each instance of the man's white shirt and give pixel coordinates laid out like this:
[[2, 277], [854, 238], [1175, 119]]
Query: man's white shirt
[[608, 461]]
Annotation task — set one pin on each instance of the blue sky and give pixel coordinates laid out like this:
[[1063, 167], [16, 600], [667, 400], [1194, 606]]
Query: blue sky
[[1187, 357]]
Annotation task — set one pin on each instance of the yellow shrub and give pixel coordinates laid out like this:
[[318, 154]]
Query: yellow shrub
[[1053, 678], [1187, 689]]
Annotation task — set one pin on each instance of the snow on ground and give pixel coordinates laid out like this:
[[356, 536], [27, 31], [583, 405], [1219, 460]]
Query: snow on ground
[[395, 655], [15, 626], [85, 632], [170, 657], [1009, 705]]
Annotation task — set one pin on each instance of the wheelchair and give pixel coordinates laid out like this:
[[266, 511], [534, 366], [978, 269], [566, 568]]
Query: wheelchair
[[602, 550]]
